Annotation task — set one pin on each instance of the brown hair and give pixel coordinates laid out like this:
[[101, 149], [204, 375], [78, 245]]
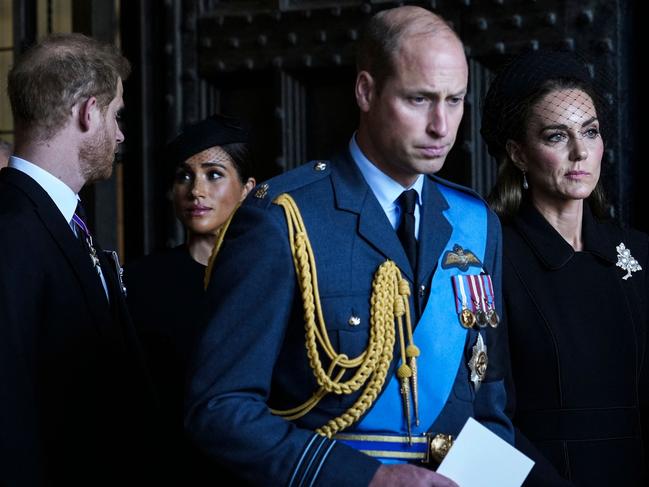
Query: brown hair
[[382, 35], [58, 72]]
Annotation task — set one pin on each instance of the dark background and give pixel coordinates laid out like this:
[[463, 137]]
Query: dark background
[[287, 66]]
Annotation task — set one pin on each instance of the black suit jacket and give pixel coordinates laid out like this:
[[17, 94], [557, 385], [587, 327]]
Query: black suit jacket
[[75, 401]]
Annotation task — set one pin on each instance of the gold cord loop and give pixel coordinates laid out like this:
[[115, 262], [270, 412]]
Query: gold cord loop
[[389, 301], [220, 234]]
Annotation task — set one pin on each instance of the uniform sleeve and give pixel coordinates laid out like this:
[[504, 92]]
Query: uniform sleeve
[[21, 459], [491, 398], [251, 298]]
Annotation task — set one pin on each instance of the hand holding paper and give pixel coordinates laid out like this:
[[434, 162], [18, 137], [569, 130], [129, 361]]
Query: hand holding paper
[[479, 458]]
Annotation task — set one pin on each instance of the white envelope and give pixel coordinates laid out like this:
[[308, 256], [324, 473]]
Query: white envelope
[[479, 458]]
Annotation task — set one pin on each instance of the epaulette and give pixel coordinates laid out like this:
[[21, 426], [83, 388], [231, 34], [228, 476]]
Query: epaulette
[[264, 193]]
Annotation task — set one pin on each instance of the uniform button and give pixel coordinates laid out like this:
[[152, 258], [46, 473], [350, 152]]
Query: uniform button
[[422, 290], [354, 321], [320, 166]]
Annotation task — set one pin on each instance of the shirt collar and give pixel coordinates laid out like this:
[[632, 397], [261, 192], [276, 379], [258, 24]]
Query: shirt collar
[[386, 189], [64, 198]]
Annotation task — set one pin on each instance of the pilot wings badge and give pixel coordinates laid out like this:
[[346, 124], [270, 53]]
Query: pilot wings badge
[[460, 258]]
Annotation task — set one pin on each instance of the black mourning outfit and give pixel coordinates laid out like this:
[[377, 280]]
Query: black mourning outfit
[[578, 335], [76, 403], [165, 298]]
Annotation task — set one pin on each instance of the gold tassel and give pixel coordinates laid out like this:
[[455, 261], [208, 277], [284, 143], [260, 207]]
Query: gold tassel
[[220, 234], [404, 374], [413, 353]]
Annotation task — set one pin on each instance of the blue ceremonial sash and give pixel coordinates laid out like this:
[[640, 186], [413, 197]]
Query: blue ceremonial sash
[[439, 335]]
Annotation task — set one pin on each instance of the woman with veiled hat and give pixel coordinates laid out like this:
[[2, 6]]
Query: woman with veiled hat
[[575, 285], [210, 169]]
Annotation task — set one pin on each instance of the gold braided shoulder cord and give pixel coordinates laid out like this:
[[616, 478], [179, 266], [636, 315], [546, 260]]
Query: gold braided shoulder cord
[[388, 302]]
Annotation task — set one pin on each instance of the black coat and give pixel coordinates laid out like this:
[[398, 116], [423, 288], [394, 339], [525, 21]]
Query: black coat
[[75, 400], [166, 299], [578, 334]]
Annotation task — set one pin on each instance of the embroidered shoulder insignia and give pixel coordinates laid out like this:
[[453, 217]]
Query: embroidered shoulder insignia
[[262, 191], [460, 258], [626, 261]]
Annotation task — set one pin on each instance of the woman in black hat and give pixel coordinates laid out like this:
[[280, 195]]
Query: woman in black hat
[[210, 167], [212, 175], [575, 285]]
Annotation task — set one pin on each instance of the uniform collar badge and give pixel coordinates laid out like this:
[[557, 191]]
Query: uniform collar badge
[[626, 261], [460, 258], [262, 191]]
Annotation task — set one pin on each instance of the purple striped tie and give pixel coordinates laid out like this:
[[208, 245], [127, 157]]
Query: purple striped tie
[[84, 236]]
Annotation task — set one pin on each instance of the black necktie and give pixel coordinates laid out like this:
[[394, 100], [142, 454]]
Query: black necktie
[[406, 229]]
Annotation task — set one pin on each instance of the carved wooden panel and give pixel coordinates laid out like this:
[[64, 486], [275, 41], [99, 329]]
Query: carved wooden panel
[[288, 67]]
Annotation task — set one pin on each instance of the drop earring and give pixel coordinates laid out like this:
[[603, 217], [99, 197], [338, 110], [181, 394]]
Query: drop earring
[[525, 185]]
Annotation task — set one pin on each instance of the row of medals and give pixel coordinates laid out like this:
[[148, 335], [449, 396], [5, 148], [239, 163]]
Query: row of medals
[[479, 318]]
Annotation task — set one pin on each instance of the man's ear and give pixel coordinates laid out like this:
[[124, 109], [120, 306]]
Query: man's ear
[[87, 110], [365, 90], [515, 153]]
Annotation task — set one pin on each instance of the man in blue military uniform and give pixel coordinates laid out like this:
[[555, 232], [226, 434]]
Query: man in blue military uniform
[[353, 301]]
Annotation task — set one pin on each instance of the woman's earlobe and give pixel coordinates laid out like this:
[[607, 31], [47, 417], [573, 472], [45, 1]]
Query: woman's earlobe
[[251, 183], [514, 153]]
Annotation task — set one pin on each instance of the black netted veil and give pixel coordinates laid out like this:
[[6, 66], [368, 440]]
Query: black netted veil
[[522, 81]]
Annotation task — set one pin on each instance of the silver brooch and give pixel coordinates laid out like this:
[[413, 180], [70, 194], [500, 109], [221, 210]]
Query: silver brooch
[[478, 363], [626, 261]]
